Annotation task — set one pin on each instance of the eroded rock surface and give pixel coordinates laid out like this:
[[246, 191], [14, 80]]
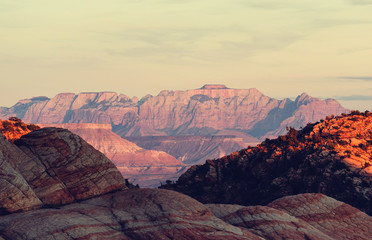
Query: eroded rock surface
[[63, 168], [130, 214], [303, 216], [15, 193]]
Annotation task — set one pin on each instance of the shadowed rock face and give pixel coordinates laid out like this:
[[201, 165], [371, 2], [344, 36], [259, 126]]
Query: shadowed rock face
[[332, 157]]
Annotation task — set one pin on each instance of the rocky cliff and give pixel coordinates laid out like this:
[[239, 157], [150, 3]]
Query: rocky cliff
[[54, 185], [208, 111], [331, 157]]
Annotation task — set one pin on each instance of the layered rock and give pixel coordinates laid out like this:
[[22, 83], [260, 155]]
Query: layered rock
[[61, 167], [56, 161], [331, 157], [15, 193], [131, 214], [147, 168], [211, 110], [303, 216]]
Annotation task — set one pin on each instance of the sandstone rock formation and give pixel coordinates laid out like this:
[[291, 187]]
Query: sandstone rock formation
[[331, 157], [211, 110], [15, 194], [54, 160], [52, 167], [147, 168], [303, 216], [63, 168]]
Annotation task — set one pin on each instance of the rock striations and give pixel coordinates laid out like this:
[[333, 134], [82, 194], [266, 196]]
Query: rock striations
[[331, 157], [209, 111], [147, 168], [83, 196]]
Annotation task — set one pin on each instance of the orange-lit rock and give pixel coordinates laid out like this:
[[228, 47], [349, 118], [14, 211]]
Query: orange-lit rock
[[333, 157]]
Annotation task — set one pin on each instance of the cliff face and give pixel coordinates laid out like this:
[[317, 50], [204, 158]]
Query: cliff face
[[205, 111], [212, 110], [331, 157]]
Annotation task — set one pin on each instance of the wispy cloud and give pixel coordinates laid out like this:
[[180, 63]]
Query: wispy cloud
[[362, 78], [361, 2], [354, 98]]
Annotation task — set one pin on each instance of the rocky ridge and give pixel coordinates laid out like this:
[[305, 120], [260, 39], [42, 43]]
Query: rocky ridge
[[41, 165], [331, 157], [209, 111]]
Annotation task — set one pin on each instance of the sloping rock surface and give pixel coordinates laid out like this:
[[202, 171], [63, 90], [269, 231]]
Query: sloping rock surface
[[15, 193], [131, 214], [63, 168], [57, 161], [331, 157], [303, 216]]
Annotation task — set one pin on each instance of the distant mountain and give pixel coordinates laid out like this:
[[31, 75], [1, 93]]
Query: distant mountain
[[210, 111], [333, 157]]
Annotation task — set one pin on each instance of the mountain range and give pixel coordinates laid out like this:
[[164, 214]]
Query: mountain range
[[192, 125]]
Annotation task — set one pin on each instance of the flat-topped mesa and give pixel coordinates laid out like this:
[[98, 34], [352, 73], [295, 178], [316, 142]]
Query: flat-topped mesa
[[214, 86]]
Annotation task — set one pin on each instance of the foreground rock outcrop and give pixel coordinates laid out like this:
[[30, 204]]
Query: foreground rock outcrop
[[303, 216], [54, 185], [53, 166], [331, 157]]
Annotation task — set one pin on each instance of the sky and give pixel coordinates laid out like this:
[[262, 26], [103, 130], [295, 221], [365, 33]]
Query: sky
[[139, 47]]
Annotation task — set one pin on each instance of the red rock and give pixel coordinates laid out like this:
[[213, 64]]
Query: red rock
[[334, 218], [63, 168], [211, 110], [331, 157], [131, 214], [15, 193]]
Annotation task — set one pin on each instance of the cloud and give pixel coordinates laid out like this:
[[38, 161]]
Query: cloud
[[354, 98], [362, 78], [361, 2], [272, 4]]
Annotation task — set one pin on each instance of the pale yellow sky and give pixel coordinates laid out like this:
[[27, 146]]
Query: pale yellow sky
[[136, 47]]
